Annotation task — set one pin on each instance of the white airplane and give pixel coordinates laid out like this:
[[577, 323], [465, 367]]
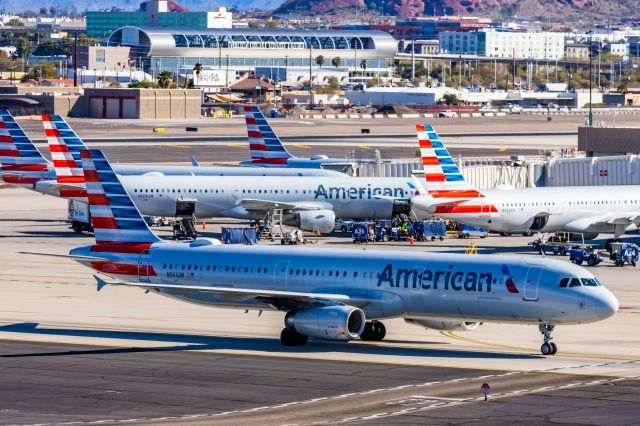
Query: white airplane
[[22, 164], [311, 203], [334, 294], [583, 209], [267, 150]]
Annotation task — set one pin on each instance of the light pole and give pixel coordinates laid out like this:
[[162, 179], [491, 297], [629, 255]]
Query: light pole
[[590, 119]]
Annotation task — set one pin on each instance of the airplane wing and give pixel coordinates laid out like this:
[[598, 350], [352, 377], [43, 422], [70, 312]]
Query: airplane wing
[[621, 218], [263, 205], [277, 298]]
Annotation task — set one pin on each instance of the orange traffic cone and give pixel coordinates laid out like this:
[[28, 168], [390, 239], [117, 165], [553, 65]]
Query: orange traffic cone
[[411, 240], [204, 225]]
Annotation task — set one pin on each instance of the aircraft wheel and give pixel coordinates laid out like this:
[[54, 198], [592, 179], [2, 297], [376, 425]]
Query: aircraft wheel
[[380, 330], [554, 348], [290, 337], [546, 349]]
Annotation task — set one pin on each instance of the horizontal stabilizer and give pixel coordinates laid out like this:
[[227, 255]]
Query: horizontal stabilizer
[[69, 256]]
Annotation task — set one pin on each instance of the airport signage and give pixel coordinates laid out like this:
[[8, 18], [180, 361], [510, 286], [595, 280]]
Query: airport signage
[[211, 78]]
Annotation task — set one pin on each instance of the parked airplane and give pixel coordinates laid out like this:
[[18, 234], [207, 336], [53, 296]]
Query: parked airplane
[[267, 149], [22, 164], [310, 203], [585, 209], [334, 294]]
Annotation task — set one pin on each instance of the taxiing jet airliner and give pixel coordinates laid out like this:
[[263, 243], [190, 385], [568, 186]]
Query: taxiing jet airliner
[[586, 209], [334, 294], [267, 149]]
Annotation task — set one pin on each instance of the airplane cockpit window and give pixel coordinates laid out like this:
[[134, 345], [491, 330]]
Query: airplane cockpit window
[[590, 282], [564, 282], [575, 282]]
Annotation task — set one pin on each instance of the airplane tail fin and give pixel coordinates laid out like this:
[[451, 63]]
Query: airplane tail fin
[[114, 217], [442, 175], [266, 148], [65, 148], [21, 161]]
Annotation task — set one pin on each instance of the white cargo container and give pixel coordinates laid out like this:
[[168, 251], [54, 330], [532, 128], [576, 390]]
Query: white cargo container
[[79, 217]]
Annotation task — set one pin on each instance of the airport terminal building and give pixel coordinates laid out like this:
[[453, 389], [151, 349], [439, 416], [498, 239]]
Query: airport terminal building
[[285, 53]]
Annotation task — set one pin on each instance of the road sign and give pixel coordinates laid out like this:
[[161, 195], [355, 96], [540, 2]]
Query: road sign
[[485, 389]]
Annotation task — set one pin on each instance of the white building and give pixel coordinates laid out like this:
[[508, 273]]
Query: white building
[[503, 44]]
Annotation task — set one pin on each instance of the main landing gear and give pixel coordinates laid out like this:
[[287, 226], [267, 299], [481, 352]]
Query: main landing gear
[[290, 337], [548, 347], [373, 331]]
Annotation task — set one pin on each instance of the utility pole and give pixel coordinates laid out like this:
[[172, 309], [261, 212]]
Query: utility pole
[[310, 75], [413, 60]]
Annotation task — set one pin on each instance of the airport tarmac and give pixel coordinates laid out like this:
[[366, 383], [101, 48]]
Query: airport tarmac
[[224, 140], [71, 354]]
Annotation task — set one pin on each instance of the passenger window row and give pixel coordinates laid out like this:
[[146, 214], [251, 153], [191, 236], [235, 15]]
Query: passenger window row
[[179, 191], [214, 268]]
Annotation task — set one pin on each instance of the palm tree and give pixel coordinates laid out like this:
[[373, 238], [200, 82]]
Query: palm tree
[[197, 69], [320, 61], [336, 62], [165, 78], [363, 65]]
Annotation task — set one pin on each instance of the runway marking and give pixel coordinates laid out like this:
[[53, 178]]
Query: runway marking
[[236, 145], [362, 146], [177, 146], [519, 348], [301, 146]]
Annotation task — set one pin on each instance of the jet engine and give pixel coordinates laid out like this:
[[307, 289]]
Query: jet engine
[[328, 322], [443, 324], [312, 220]]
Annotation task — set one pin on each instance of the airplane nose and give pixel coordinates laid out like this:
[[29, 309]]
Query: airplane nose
[[607, 305]]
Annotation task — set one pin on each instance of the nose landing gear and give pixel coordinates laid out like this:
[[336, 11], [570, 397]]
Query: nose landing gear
[[548, 347]]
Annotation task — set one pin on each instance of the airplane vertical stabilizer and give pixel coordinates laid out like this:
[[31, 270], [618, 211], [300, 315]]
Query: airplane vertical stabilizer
[[266, 148]]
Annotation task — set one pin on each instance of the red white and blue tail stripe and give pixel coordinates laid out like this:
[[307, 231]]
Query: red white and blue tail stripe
[[65, 148], [444, 180], [22, 163], [115, 219], [266, 148]]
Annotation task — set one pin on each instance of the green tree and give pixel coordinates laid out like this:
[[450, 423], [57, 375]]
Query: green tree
[[320, 60], [332, 84], [165, 79], [450, 99], [336, 62], [15, 22], [271, 24], [363, 65], [42, 71], [254, 24], [143, 85], [25, 47], [197, 69]]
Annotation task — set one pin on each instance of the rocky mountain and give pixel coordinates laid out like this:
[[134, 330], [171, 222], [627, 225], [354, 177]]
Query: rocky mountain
[[507, 8]]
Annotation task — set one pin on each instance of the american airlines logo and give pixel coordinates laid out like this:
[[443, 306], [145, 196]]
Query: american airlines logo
[[356, 193], [429, 279]]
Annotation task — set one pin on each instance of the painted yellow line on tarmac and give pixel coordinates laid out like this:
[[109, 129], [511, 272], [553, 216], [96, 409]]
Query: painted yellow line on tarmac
[[236, 145], [363, 146], [301, 146], [177, 146], [529, 350], [502, 149]]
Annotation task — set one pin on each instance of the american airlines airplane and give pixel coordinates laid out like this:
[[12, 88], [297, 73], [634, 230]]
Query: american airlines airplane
[[585, 209], [267, 149], [334, 294], [22, 164], [311, 203]]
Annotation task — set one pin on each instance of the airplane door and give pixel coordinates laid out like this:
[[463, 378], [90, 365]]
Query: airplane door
[[280, 275], [485, 208], [143, 266], [531, 283]]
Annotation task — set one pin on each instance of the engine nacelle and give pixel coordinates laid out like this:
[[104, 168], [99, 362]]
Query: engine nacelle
[[328, 322], [443, 324], [312, 220], [318, 157]]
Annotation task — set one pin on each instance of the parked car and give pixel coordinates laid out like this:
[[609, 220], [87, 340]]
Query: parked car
[[447, 114], [468, 231], [344, 225], [515, 109]]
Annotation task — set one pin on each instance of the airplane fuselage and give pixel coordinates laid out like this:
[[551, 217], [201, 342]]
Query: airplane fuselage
[[382, 283], [548, 209]]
